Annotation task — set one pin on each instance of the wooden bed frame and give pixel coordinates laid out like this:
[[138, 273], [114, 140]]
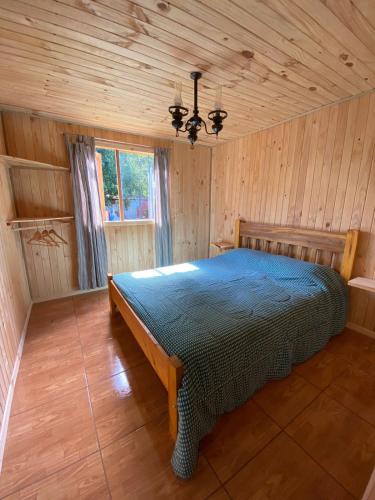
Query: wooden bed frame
[[304, 244]]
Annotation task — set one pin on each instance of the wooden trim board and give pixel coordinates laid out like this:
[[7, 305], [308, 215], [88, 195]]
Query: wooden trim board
[[72, 293], [366, 284], [369, 493], [360, 329], [9, 400]]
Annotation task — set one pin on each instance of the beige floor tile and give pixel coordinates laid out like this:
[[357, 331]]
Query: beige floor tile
[[220, 494], [127, 401], [138, 466], [44, 378], [322, 368], [283, 471], [339, 440], [43, 440], [114, 355], [83, 480], [236, 438], [355, 389], [283, 399]]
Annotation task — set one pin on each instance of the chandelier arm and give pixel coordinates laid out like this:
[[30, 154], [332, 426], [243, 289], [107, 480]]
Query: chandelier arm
[[205, 127]]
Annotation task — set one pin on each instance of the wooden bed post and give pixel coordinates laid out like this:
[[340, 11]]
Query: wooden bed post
[[237, 236], [112, 305], [175, 372], [349, 254]]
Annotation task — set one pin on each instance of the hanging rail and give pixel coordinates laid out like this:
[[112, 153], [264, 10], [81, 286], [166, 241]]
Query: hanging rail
[[36, 220]]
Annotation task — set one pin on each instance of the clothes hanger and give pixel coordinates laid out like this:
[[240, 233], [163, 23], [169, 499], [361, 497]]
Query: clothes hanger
[[46, 236], [53, 232], [37, 239]]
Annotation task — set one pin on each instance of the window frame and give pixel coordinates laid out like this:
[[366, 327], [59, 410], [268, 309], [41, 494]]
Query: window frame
[[122, 147]]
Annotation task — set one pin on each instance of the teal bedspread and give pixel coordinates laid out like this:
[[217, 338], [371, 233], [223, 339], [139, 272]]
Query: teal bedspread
[[235, 321]]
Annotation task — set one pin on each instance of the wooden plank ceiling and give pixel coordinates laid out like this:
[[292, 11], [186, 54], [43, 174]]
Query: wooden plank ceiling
[[113, 63]]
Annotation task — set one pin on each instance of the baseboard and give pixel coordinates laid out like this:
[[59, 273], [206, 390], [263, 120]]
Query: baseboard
[[361, 329], [370, 489], [72, 293], [8, 403]]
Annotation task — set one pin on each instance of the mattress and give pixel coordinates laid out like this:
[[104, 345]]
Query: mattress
[[235, 321]]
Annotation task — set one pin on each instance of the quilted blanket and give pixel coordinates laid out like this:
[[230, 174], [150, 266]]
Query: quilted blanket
[[235, 321]]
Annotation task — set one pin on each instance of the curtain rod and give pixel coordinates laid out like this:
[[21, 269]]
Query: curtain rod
[[128, 144], [112, 140]]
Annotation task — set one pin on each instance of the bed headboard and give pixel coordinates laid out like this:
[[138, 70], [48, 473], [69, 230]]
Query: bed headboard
[[321, 247]]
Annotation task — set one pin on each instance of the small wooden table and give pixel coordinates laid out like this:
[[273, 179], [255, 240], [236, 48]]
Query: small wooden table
[[363, 283]]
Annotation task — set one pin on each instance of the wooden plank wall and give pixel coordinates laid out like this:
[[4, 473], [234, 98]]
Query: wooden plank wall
[[52, 271], [190, 201], [316, 171], [14, 291]]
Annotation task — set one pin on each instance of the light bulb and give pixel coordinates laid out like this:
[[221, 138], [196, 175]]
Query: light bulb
[[218, 99], [177, 96]]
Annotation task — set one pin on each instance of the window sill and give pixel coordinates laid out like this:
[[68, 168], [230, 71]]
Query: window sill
[[129, 222]]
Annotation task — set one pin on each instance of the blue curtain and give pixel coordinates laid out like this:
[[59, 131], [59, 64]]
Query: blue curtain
[[163, 231], [92, 249]]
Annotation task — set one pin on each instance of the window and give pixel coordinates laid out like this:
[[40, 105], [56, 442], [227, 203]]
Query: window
[[125, 183]]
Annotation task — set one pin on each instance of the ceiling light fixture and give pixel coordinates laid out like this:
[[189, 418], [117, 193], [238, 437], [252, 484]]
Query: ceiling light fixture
[[194, 124]]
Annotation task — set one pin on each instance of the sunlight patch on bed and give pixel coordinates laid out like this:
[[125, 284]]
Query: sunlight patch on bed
[[165, 271], [148, 273], [178, 268]]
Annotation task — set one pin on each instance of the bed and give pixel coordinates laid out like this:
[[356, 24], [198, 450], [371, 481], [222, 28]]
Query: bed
[[215, 330]]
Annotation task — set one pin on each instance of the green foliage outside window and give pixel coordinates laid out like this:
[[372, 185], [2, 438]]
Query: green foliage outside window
[[135, 172], [109, 172], [136, 183]]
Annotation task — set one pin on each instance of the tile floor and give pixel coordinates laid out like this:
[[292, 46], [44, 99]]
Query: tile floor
[[89, 421]]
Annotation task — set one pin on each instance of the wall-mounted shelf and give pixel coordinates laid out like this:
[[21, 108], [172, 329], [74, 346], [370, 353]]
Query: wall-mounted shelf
[[13, 162], [222, 245], [35, 220], [363, 283]]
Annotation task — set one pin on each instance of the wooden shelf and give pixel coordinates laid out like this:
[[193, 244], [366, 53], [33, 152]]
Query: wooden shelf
[[363, 283], [20, 220], [222, 245], [13, 162]]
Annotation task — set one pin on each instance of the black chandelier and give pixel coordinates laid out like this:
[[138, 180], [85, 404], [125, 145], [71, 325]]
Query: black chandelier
[[195, 122]]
